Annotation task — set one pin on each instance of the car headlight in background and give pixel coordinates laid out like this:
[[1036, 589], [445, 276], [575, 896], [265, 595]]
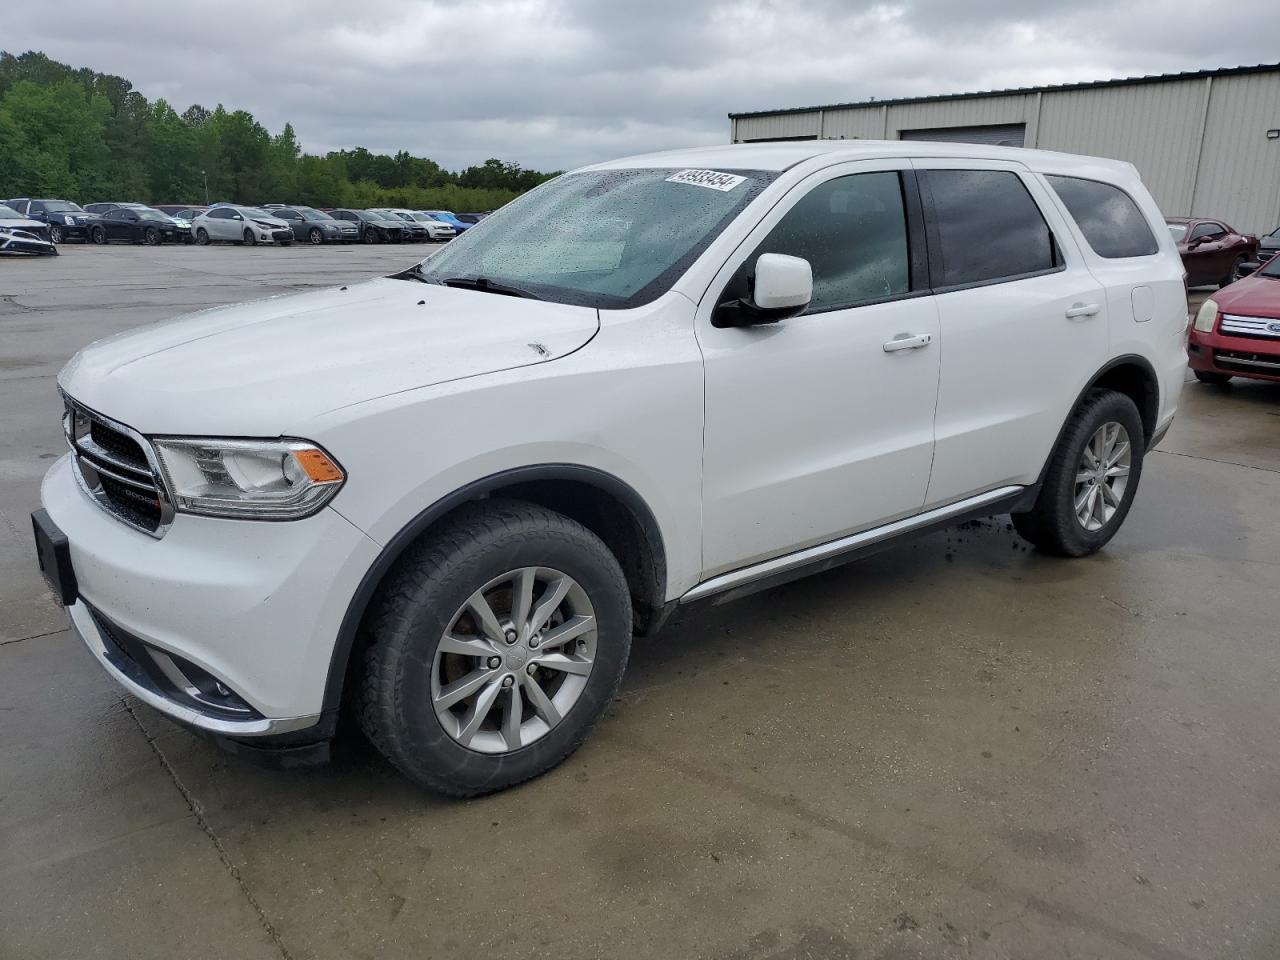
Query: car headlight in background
[[1207, 317], [255, 479]]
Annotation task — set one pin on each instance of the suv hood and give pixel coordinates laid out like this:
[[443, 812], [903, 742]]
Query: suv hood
[[270, 367]]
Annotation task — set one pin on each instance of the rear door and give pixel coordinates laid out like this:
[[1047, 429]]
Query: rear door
[[1023, 323]]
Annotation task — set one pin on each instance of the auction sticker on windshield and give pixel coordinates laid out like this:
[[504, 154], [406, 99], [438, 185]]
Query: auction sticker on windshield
[[707, 178]]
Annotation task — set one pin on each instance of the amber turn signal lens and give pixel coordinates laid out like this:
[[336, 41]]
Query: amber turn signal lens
[[318, 466]]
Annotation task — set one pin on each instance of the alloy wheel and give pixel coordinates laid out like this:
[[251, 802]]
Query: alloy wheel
[[514, 660], [55, 235], [151, 237], [315, 236], [1102, 476]]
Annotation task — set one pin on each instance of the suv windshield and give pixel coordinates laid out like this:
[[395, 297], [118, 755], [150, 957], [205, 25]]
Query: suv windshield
[[62, 206], [604, 238]]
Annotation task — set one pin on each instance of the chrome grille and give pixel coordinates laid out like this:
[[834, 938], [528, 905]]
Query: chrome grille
[[117, 468], [1250, 326]]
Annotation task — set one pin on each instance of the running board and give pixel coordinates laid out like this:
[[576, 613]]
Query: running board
[[802, 563]]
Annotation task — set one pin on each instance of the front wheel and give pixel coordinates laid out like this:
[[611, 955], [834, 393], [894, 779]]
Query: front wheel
[[56, 234], [315, 236], [1092, 478], [151, 237], [249, 239], [494, 648], [370, 237]]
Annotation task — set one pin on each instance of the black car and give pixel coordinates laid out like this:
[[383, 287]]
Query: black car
[[1268, 246], [372, 227], [139, 226], [311, 225], [413, 230], [65, 219], [104, 206]]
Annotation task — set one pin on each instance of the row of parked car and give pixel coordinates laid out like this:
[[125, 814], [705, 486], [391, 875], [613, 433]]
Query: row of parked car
[[33, 225]]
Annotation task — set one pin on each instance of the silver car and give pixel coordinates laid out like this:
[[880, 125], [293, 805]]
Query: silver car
[[247, 225]]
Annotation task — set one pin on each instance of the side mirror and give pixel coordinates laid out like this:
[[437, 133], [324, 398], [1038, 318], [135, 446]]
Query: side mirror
[[781, 289], [1248, 267]]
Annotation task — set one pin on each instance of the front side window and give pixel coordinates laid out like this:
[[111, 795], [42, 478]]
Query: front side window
[[853, 232], [600, 238], [1203, 230], [1107, 216], [989, 228]]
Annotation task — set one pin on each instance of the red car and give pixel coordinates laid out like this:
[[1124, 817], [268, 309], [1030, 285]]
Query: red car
[[1211, 250], [1237, 331]]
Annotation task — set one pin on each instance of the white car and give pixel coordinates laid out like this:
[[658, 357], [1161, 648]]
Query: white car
[[436, 231], [451, 496], [234, 224], [20, 235]]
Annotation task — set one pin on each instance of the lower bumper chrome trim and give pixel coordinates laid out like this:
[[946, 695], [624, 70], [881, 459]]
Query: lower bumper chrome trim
[[138, 684]]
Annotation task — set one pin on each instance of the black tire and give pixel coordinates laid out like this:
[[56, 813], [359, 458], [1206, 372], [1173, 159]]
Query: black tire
[[151, 237], [315, 236], [415, 606], [98, 235], [285, 243], [1231, 277], [55, 234], [202, 236], [248, 239], [1213, 379], [371, 236], [1051, 524]]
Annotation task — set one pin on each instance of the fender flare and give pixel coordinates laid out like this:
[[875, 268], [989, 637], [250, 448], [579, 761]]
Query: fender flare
[[1127, 359], [390, 553]]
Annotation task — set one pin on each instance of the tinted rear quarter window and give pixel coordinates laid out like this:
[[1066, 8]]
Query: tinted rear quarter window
[[1107, 216], [988, 227]]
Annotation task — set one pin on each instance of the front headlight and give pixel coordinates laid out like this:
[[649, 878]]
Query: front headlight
[[1207, 317], [255, 479], [69, 220]]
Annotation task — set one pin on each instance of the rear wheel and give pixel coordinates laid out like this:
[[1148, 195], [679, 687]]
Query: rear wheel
[[98, 235], [56, 234], [1214, 379], [315, 236], [1092, 478], [494, 648]]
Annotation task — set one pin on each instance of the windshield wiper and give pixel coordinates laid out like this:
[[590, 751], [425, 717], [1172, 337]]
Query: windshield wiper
[[486, 285]]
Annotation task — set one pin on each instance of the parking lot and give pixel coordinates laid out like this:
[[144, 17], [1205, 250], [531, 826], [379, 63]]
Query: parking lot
[[957, 748]]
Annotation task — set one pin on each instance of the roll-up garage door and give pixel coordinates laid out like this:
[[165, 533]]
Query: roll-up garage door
[[996, 134]]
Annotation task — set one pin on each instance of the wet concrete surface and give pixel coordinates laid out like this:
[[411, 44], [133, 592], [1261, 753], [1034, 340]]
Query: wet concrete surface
[[958, 748]]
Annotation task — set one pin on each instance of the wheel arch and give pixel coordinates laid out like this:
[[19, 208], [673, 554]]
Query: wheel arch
[[606, 505], [1130, 374]]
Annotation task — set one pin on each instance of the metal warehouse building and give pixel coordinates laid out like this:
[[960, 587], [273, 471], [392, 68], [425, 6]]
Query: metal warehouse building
[[1206, 143]]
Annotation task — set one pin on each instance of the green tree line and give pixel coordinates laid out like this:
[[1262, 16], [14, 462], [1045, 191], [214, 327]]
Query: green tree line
[[87, 136]]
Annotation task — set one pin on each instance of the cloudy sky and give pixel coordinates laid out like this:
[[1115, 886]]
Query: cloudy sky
[[551, 84]]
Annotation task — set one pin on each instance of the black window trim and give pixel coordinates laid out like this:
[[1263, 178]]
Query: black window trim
[[934, 236], [917, 252], [1114, 186]]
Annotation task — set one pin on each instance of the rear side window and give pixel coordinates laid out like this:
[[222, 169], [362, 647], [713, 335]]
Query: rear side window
[[853, 232], [1107, 216], [988, 228]]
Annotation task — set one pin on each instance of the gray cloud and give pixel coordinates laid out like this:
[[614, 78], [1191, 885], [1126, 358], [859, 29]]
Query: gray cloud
[[556, 83]]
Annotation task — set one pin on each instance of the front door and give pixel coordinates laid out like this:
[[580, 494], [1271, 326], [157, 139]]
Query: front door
[[821, 425]]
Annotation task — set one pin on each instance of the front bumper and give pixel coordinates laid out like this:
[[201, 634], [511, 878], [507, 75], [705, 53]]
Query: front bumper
[[255, 606], [73, 231], [1254, 357], [26, 241]]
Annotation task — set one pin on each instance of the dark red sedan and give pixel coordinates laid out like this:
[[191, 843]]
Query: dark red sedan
[[1237, 331], [1211, 250]]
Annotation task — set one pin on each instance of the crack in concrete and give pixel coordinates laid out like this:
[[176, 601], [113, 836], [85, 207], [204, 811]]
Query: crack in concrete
[[1228, 463], [37, 636], [197, 811]]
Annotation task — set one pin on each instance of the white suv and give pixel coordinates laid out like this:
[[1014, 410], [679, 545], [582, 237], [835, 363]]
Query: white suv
[[451, 496]]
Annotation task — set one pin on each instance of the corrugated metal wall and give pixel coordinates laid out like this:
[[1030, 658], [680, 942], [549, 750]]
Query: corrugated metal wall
[[1200, 144]]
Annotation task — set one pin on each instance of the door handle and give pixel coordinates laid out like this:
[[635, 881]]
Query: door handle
[[907, 341], [1077, 310]]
